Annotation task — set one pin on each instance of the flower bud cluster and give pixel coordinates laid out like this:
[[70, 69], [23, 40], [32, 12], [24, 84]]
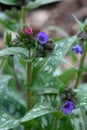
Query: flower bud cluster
[[45, 46], [41, 45], [25, 38], [82, 36], [44, 49], [68, 97]]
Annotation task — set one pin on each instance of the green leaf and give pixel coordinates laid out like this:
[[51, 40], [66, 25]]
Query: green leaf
[[4, 21], [37, 111], [83, 69], [19, 51], [85, 22], [8, 37], [52, 87], [10, 2], [82, 95], [6, 122], [84, 114], [4, 79], [80, 24], [7, 25], [67, 76], [20, 65], [12, 102], [44, 68], [3, 16], [37, 3], [9, 21], [15, 96], [65, 123], [46, 90], [79, 119]]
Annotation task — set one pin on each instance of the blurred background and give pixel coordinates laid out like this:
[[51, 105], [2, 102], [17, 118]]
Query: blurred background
[[55, 18]]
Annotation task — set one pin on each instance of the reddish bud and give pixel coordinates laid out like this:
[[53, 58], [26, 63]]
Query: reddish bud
[[28, 30]]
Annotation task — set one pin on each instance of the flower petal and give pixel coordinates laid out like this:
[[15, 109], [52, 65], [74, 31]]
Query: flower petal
[[42, 37], [77, 49], [67, 107]]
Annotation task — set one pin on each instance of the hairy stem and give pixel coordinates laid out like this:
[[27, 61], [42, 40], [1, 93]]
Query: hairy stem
[[2, 64], [79, 74], [55, 122], [23, 15], [28, 91]]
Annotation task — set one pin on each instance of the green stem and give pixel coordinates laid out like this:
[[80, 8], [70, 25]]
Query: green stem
[[2, 63], [23, 15], [28, 91], [55, 123], [81, 65]]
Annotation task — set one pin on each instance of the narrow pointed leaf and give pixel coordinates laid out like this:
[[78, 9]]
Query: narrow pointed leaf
[[38, 3], [59, 30], [81, 25]]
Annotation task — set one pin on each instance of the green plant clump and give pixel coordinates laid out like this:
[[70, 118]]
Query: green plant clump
[[35, 93]]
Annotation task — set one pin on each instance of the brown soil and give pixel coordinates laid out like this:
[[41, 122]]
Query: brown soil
[[58, 14]]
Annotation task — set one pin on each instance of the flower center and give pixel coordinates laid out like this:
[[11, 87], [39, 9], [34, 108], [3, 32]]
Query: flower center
[[66, 105], [41, 38]]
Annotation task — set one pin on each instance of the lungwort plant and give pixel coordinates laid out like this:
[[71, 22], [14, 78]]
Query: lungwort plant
[[35, 93]]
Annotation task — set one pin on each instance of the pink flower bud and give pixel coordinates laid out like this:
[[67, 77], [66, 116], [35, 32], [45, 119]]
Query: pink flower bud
[[28, 30]]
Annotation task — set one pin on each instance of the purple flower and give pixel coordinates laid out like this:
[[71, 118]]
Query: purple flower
[[67, 107], [77, 49], [42, 37]]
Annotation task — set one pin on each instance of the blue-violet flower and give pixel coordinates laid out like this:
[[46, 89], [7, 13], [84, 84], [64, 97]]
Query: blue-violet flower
[[77, 49], [67, 107], [42, 37]]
